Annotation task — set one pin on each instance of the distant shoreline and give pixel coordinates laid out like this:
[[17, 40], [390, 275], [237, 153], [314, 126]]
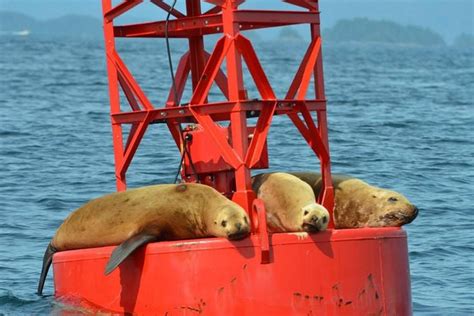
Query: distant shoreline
[[367, 31], [381, 31], [357, 30]]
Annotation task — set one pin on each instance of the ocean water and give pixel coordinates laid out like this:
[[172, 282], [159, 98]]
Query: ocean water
[[399, 117]]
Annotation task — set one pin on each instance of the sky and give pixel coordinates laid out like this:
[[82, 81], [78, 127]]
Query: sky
[[447, 17]]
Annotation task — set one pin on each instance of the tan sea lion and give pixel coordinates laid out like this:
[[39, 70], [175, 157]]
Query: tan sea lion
[[358, 204], [290, 203], [135, 217]]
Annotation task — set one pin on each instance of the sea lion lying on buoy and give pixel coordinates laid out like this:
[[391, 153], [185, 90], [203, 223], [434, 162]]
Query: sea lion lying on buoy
[[290, 203], [359, 204], [135, 217]]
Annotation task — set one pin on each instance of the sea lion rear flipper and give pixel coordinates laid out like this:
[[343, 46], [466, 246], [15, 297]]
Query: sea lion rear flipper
[[47, 260], [125, 249]]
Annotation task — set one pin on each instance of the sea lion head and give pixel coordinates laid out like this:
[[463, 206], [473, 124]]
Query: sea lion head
[[231, 222], [390, 209], [315, 217]]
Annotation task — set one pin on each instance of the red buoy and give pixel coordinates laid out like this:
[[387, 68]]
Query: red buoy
[[337, 272]]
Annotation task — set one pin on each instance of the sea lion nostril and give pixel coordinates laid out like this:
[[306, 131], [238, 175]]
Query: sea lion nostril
[[238, 225], [314, 218]]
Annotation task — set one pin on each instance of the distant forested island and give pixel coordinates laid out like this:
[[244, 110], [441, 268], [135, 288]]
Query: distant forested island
[[360, 30], [289, 34], [464, 41], [365, 30]]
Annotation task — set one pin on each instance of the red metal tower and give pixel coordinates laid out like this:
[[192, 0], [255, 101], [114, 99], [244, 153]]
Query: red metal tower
[[222, 155]]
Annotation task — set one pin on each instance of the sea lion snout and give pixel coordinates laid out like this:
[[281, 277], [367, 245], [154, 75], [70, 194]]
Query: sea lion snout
[[315, 218], [232, 223], [412, 216], [415, 212], [401, 216], [240, 230]]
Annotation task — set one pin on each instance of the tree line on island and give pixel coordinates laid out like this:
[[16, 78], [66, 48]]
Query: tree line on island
[[358, 30], [364, 30]]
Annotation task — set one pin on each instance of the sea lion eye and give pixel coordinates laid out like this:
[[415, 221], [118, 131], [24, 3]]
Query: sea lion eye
[[224, 223], [392, 199], [306, 212]]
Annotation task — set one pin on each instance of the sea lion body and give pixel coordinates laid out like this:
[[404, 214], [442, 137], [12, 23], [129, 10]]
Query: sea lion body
[[169, 211], [359, 204], [290, 203], [135, 217]]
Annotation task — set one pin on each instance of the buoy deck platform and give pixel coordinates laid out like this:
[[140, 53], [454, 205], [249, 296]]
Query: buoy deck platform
[[337, 272]]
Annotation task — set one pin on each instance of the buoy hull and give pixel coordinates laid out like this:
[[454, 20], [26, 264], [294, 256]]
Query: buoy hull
[[337, 272]]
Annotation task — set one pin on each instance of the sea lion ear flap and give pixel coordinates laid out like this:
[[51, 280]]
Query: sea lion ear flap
[[125, 249]]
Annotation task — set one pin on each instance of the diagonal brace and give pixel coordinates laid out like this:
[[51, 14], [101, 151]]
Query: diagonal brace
[[120, 9]]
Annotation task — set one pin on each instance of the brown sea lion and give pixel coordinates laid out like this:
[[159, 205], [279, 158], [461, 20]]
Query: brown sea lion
[[135, 217], [358, 204], [290, 203]]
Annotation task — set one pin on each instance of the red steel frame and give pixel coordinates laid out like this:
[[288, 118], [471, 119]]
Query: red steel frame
[[243, 151], [336, 272]]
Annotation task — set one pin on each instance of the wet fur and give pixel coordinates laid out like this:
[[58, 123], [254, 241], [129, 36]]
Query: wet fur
[[359, 204], [167, 212], [287, 199]]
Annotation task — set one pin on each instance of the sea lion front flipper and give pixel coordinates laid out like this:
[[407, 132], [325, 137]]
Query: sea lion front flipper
[[47, 260], [126, 248]]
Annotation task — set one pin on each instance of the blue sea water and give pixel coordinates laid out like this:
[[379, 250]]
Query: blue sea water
[[399, 117]]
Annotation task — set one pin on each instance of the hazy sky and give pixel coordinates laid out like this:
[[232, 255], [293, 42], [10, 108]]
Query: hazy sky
[[448, 17]]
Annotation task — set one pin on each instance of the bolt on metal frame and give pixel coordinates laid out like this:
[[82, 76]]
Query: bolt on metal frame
[[243, 149]]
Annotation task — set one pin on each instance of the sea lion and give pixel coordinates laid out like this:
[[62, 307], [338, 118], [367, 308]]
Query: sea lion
[[359, 204], [135, 217], [289, 203]]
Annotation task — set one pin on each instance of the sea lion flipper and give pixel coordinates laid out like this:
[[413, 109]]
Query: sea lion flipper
[[47, 260], [125, 249]]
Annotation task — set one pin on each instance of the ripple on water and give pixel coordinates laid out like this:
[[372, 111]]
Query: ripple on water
[[398, 117]]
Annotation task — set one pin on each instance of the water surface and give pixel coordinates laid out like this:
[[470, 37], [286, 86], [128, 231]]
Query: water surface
[[399, 117]]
